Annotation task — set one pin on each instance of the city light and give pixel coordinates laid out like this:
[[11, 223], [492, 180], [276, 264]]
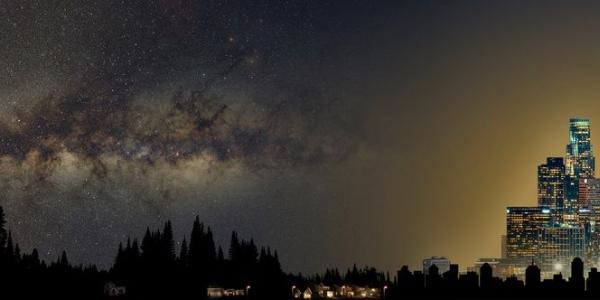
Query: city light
[[558, 267]]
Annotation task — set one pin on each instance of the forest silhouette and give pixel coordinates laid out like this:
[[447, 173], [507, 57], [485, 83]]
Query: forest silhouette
[[153, 268]]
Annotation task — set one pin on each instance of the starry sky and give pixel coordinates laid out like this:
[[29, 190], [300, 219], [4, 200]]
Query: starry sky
[[337, 132]]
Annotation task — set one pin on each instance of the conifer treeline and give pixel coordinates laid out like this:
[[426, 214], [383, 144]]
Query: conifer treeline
[[148, 269], [144, 267], [360, 277], [26, 275], [155, 268]]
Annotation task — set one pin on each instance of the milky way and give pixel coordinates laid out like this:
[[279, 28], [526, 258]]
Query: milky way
[[116, 115]]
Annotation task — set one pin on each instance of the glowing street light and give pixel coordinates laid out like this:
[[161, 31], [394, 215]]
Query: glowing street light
[[385, 287], [247, 290]]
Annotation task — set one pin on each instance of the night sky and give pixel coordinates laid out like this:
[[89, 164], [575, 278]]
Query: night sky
[[336, 132]]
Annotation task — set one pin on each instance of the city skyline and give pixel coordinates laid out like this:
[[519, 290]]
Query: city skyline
[[564, 224]]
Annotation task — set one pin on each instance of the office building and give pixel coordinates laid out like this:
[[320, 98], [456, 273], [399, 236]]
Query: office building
[[551, 184], [523, 230]]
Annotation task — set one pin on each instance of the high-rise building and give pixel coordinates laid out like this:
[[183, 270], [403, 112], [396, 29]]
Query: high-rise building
[[551, 184], [580, 161], [524, 229], [580, 158]]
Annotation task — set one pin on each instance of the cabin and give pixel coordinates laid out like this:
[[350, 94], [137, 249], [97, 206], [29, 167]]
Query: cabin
[[215, 292], [307, 293], [112, 290]]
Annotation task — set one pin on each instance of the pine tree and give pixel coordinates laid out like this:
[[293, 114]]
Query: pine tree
[[183, 254], [234, 247], [220, 256], [210, 246], [64, 262], [120, 257], [35, 256], [196, 245], [3, 234], [168, 245], [135, 251], [9, 250], [147, 245], [17, 254]]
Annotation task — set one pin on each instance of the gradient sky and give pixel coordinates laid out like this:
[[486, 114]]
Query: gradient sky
[[336, 132]]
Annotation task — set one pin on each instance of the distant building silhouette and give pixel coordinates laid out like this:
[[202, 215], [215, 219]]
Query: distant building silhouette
[[450, 277], [418, 280], [485, 276], [468, 281], [485, 285], [593, 282], [532, 276], [442, 263], [577, 280], [404, 278], [433, 278]]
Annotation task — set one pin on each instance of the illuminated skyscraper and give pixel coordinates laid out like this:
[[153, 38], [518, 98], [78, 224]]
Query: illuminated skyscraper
[[551, 183], [580, 161], [580, 158], [524, 227]]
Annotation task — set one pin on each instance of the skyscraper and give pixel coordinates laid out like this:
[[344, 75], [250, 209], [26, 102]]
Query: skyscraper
[[551, 184], [580, 158], [580, 161]]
